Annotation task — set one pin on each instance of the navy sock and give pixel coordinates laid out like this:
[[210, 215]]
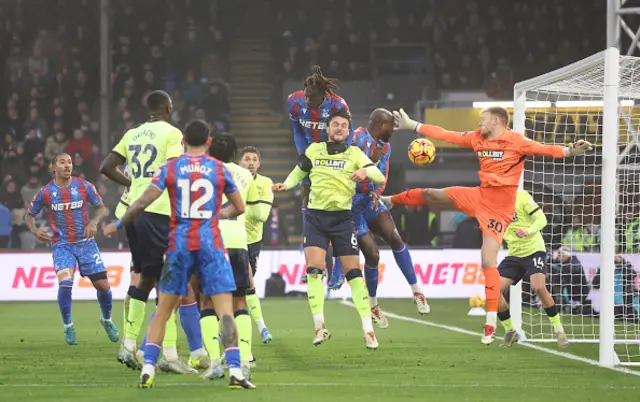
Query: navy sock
[[190, 321], [105, 300], [371, 279], [64, 300], [403, 259]]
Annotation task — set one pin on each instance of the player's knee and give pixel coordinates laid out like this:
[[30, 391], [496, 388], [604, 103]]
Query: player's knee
[[371, 257], [429, 195], [146, 284], [100, 281], [240, 302], [539, 289], [489, 262], [394, 240], [314, 271], [352, 274], [65, 274]]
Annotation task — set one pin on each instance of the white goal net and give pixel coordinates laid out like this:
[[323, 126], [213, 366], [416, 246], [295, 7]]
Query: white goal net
[[559, 108]]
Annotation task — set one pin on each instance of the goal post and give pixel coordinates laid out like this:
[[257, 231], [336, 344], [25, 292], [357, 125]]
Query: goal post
[[592, 99]]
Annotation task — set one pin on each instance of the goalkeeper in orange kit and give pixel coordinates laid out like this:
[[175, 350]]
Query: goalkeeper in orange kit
[[502, 153]]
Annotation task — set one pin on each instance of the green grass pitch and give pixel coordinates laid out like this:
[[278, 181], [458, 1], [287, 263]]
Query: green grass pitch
[[414, 361]]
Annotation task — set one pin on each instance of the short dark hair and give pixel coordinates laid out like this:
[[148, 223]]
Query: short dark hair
[[499, 112], [249, 149], [342, 113], [223, 147], [157, 101], [196, 133]]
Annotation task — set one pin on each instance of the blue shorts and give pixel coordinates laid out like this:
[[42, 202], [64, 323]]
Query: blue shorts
[[83, 254], [210, 264], [363, 213]]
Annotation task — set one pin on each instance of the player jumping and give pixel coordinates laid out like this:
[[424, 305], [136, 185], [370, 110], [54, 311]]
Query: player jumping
[[67, 199], [502, 153], [334, 169], [250, 159], [527, 259], [368, 213], [144, 148], [195, 183], [309, 111]]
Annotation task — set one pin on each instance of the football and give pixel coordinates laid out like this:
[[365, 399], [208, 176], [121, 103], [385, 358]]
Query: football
[[476, 301], [421, 151]]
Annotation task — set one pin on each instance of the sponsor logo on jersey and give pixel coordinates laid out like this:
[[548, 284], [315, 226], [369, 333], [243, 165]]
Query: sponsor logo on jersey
[[320, 125], [63, 206], [495, 155], [336, 165]]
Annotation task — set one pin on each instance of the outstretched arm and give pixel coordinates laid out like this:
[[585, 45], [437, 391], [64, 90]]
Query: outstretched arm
[[533, 148], [403, 122]]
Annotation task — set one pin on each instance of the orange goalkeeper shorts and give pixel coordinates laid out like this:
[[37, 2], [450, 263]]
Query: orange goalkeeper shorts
[[493, 207]]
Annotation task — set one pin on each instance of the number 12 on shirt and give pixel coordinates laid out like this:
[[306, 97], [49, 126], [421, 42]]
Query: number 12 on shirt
[[191, 201]]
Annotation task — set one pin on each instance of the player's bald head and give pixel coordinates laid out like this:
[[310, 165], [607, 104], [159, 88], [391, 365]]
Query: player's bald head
[[381, 116], [381, 124]]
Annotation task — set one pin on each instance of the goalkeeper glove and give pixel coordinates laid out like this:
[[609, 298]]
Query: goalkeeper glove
[[578, 148], [403, 122]]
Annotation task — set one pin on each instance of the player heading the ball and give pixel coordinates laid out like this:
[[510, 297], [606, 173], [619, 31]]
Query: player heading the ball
[[502, 153]]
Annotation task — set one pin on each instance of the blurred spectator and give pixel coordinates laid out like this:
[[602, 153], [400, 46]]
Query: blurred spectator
[[30, 188], [216, 106], [55, 145], [80, 143], [5, 226]]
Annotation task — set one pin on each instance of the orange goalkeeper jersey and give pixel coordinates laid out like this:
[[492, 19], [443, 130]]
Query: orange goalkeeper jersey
[[502, 158]]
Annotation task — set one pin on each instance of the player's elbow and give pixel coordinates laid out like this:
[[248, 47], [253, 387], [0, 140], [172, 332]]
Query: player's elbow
[[105, 168]]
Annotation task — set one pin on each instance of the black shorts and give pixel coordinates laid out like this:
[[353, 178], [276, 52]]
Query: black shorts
[[517, 268], [254, 253], [322, 227], [239, 259], [132, 238], [151, 234]]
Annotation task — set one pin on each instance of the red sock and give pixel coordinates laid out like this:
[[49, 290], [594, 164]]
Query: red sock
[[409, 197], [492, 288]]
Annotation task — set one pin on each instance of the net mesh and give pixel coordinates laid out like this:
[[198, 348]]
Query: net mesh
[[569, 192]]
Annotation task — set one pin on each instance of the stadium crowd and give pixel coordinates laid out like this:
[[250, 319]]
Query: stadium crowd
[[51, 86], [50, 71]]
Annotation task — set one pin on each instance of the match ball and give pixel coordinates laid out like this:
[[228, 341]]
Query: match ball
[[422, 151], [476, 301]]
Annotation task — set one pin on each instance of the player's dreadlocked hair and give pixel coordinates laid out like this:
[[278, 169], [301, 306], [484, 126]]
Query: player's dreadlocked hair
[[223, 147], [318, 81]]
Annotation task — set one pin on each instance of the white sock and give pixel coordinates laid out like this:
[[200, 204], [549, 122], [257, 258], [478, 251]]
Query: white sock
[[415, 288], [260, 325], [318, 320], [129, 344], [492, 318], [367, 324], [373, 301], [170, 353], [198, 353], [148, 369], [236, 372]]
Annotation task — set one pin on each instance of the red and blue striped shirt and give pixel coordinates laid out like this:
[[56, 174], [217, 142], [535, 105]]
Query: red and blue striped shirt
[[195, 185], [363, 140], [310, 125], [68, 208]]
